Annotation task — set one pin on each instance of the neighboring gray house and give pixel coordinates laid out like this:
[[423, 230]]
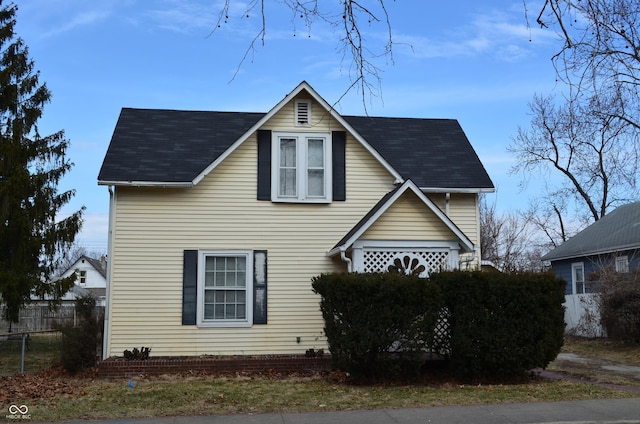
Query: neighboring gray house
[[612, 242]]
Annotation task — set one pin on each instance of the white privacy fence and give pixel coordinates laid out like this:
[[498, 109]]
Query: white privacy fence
[[582, 315]]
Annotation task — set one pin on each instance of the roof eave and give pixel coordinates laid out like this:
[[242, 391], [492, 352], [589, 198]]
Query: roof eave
[[458, 189], [592, 253], [164, 184]]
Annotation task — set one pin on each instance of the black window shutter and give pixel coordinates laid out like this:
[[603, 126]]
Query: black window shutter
[[338, 149], [264, 165], [189, 287], [259, 286]]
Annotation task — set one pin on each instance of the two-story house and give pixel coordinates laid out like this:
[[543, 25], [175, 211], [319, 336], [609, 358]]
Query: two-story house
[[219, 220]]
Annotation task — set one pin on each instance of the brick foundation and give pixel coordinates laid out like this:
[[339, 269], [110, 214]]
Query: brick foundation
[[282, 364]]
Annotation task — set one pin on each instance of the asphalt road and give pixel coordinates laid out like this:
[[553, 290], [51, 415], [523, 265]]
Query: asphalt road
[[602, 411]]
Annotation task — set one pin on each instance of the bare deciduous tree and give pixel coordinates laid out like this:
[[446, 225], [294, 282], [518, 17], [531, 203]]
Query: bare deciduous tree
[[594, 155], [508, 240], [600, 50], [585, 144], [349, 18]]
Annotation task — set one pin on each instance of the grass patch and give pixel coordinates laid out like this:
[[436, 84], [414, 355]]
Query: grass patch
[[604, 349], [53, 396], [216, 396]]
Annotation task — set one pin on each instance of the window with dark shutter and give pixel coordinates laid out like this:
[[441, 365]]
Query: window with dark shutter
[[221, 293], [336, 167], [189, 287]]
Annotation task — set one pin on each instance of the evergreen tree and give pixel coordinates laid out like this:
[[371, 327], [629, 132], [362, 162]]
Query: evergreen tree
[[31, 166]]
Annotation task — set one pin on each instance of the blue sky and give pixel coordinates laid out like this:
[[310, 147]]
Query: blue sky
[[477, 62]]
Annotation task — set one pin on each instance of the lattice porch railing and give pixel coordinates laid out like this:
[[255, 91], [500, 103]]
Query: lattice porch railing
[[382, 260]]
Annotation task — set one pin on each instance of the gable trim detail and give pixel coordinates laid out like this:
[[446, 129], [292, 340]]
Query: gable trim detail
[[330, 110], [384, 204]]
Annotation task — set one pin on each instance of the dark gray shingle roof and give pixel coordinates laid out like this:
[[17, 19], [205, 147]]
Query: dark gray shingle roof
[[434, 153], [152, 145], [618, 230], [156, 145]]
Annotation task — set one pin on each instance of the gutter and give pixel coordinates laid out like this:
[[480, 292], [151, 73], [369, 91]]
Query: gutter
[[163, 184]]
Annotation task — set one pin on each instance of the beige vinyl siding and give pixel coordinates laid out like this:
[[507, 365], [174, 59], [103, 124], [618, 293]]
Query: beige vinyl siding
[[465, 214], [155, 225], [409, 219]]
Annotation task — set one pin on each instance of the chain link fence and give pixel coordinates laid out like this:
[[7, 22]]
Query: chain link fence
[[29, 352]]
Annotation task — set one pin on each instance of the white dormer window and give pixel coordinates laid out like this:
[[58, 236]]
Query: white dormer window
[[303, 112], [301, 170]]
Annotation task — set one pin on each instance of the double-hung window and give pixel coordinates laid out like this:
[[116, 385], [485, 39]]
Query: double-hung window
[[225, 287], [577, 275], [302, 167]]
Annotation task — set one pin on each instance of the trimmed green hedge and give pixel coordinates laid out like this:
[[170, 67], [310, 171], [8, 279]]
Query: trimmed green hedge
[[378, 325], [502, 324]]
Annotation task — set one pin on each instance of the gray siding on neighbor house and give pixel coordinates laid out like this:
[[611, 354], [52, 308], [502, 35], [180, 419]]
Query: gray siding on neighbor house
[[593, 263]]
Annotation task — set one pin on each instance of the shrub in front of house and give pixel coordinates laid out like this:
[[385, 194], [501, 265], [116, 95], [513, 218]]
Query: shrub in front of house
[[502, 324], [619, 300], [378, 325], [79, 343]]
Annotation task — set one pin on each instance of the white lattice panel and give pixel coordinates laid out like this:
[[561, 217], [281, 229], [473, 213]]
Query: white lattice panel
[[380, 261]]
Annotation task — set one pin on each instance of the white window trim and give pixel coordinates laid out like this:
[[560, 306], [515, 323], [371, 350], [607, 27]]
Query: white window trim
[[574, 287], [302, 167], [622, 264], [248, 321]]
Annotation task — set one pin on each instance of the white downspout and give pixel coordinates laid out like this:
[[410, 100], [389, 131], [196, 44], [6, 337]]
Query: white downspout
[[447, 199], [469, 259], [344, 257], [107, 300]]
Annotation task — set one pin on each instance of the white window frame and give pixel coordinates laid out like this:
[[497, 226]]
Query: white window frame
[[622, 264], [574, 280], [302, 166], [248, 320]]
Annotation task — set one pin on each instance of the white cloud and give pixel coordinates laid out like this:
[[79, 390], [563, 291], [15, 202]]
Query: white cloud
[[183, 17], [78, 20], [503, 35]]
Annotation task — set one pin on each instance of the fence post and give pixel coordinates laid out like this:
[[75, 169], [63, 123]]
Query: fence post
[[24, 337]]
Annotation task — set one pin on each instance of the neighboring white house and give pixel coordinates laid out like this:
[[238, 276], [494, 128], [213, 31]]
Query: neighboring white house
[[91, 278]]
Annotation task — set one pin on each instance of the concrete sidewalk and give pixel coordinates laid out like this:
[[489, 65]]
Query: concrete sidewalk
[[602, 411]]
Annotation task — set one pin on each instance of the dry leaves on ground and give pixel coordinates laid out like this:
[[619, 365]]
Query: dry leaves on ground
[[44, 385]]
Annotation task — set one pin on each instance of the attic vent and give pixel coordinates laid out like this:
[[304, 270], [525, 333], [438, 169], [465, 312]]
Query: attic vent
[[303, 112]]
